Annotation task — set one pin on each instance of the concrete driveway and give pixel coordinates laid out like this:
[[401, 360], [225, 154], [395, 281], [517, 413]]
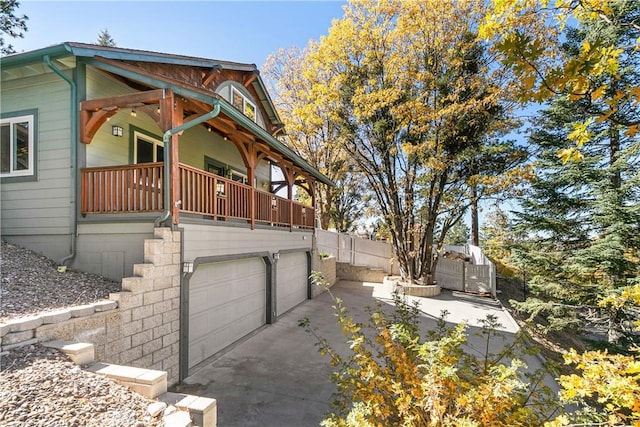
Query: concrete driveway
[[276, 377]]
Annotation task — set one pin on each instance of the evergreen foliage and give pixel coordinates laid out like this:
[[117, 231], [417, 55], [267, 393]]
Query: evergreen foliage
[[105, 39], [498, 238], [459, 234], [582, 218]]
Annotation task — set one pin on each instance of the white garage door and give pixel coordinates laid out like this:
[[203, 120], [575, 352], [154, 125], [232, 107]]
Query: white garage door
[[292, 281], [227, 300]]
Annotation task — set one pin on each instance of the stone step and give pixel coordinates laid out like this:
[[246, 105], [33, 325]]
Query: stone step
[[177, 419], [147, 382], [80, 353], [202, 410]]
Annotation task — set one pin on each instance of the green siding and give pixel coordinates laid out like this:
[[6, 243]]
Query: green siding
[[106, 149], [202, 240], [196, 143], [124, 242], [42, 207]]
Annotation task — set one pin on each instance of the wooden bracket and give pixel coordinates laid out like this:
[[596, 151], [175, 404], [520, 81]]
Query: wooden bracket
[[250, 78], [95, 112], [207, 77]]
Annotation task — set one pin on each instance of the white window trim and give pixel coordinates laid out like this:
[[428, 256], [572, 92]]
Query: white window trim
[[244, 178], [10, 121], [139, 135], [244, 103]]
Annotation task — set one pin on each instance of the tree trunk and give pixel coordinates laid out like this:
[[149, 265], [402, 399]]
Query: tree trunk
[[475, 222], [614, 148], [613, 333], [325, 208]]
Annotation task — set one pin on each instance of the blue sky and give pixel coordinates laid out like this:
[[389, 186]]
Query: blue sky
[[242, 31]]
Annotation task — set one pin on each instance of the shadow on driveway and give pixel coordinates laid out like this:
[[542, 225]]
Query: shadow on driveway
[[276, 377]]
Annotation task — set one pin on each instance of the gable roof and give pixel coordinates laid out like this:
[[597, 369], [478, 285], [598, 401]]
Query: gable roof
[[91, 52], [85, 50]]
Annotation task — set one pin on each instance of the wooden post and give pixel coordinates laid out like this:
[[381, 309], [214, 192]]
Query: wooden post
[[176, 120], [290, 181], [252, 197], [252, 161], [312, 190]]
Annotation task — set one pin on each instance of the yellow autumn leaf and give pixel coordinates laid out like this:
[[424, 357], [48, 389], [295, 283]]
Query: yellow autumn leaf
[[529, 81], [581, 133], [570, 154], [599, 92]]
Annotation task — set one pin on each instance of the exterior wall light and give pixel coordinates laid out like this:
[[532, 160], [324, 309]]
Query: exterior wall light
[[187, 267], [116, 131]]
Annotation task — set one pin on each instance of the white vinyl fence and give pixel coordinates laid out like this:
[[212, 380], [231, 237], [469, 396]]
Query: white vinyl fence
[[476, 276], [356, 251]]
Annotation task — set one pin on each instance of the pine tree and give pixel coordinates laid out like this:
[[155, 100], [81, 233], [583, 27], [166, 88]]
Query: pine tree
[[583, 217], [459, 234], [105, 39], [498, 238]]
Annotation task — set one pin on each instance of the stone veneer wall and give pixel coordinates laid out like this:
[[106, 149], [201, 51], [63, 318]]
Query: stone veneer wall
[[326, 266], [143, 331], [357, 273]]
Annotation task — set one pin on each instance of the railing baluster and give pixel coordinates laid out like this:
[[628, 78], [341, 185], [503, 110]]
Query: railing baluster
[[140, 188]]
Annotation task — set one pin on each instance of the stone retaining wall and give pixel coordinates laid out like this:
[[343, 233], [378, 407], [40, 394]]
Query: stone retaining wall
[[143, 330], [357, 273], [87, 320], [326, 266]]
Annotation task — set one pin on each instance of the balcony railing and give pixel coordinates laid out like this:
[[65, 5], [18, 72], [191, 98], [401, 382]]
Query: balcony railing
[[122, 189], [138, 188]]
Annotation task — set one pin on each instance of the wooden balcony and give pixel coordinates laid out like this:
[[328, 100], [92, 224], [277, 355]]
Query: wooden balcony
[[139, 188]]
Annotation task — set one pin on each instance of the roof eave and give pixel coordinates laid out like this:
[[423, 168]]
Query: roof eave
[[260, 87], [245, 121], [35, 56], [145, 56], [227, 108]]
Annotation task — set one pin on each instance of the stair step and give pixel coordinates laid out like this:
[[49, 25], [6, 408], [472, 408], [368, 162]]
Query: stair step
[[147, 382], [80, 353], [177, 419], [203, 411]]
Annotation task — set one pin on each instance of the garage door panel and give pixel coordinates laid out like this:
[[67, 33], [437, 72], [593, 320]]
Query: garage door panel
[[197, 300], [227, 301], [292, 281], [198, 326]]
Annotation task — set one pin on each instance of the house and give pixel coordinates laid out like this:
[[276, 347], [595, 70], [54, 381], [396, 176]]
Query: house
[[101, 147]]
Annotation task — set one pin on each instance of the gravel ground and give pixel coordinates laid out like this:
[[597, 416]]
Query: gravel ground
[[38, 385], [31, 284]]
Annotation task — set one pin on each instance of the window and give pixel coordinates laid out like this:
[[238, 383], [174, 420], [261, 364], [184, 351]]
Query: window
[[239, 177], [17, 146], [243, 104], [147, 149], [214, 166], [224, 170]]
